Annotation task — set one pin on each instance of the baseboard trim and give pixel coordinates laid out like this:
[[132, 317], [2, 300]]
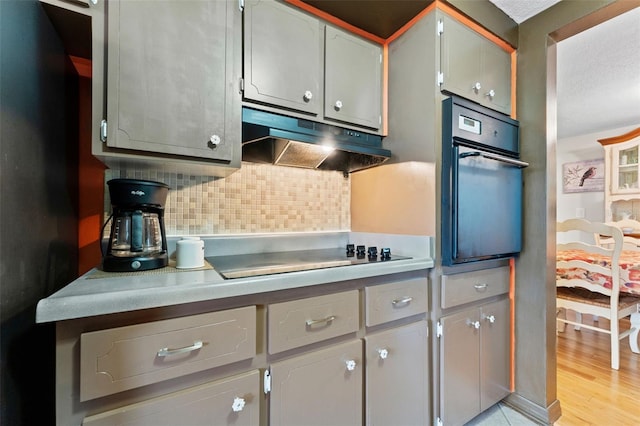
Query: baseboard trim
[[544, 415]]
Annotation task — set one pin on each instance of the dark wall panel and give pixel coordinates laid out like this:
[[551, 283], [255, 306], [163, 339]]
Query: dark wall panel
[[38, 225]]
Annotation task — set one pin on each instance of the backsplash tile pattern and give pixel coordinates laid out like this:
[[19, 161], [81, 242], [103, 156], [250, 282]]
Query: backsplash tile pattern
[[258, 198]]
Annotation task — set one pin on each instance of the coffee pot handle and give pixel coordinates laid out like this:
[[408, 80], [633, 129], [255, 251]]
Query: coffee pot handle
[[136, 231]]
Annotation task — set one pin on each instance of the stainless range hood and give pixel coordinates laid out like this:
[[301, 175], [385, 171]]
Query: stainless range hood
[[277, 139]]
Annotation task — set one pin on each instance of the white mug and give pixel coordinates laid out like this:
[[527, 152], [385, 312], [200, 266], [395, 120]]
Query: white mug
[[189, 253]]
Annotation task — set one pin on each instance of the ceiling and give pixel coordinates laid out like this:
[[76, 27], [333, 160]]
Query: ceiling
[[598, 70], [598, 77]]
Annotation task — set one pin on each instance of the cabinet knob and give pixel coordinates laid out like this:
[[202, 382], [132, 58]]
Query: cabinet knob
[[351, 365], [238, 404], [338, 105], [476, 87], [475, 324], [490, 318], [490, 94], [307, 96], [215, 139], [383, 353]]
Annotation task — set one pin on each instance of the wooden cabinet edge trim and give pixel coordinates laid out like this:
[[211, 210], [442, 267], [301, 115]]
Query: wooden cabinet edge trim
[[621, 138]]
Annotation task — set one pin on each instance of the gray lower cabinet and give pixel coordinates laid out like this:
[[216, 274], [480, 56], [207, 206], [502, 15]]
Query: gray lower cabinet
[[195, 369], [298, 64], [397, 376], [231, 401], [474, 361], [473, 66], [319, 388], [173, 74], [292, 361]]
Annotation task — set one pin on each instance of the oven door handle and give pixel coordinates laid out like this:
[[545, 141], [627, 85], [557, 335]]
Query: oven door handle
[[496, 157]]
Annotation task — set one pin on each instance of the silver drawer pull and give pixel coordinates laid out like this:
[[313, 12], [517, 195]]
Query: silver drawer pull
[[481, 287], [321, 321], [403, 301], [168, 352]]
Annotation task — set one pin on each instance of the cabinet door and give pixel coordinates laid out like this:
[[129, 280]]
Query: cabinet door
[[353, 79], [495, 354], [460, 59], [460, 367], [496, 71], [474, 67], [397, 376], [172, 73], [233, 401], [624, 170], [282, 56], [320, 388]]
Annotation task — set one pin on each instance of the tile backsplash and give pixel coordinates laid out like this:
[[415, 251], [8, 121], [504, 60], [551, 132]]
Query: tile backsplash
[[258, 198]]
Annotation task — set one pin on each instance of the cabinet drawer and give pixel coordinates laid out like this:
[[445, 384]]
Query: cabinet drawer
[[124, 358], [231, 401], [468, 287], [396, 300], [301, 322]]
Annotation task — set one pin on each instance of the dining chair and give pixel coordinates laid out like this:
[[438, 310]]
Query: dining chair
[[593, 287], [630, 230]]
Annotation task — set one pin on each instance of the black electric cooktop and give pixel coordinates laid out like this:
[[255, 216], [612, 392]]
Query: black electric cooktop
[[249, 265]]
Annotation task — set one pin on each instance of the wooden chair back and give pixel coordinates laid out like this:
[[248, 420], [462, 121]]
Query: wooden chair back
[[631, 240]]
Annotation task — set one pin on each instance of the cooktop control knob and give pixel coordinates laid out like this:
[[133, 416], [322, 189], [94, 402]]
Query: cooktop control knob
[[351, 250], [372, 253], [360, 251], [385, 253]]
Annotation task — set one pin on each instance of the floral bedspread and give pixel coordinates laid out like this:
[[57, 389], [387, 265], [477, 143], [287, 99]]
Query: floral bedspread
[[629, 269]]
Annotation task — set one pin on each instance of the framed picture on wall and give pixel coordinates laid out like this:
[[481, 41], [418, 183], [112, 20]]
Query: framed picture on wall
[[583, 176]]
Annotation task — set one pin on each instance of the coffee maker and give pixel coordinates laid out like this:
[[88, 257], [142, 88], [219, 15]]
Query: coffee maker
[[137, 240]]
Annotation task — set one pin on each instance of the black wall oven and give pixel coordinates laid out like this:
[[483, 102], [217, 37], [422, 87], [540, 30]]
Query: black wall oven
[[481, 184]]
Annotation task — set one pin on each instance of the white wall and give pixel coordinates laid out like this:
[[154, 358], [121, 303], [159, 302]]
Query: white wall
[[579, 148]]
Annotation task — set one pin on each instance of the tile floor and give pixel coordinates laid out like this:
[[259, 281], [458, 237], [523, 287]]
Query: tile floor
[[502, 415]]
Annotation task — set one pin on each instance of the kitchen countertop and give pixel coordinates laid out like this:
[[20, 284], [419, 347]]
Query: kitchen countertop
[[97, 293]]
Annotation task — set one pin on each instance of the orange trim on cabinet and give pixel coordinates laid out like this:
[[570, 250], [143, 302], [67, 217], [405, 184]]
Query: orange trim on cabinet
[[473, 25], [410, 24], [336, 21], [385, 88], [514, 76], [512, 314]]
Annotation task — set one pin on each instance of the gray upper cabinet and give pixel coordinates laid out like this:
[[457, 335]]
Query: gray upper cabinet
[[173, 78], [282, 57], [353, 79], [474, 67], [295, 62]]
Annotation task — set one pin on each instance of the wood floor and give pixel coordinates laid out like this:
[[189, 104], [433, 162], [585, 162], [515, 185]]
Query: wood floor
[[590, 392]]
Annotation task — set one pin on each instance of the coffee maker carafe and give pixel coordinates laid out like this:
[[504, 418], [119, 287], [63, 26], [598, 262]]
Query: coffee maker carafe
[[137, 241]]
